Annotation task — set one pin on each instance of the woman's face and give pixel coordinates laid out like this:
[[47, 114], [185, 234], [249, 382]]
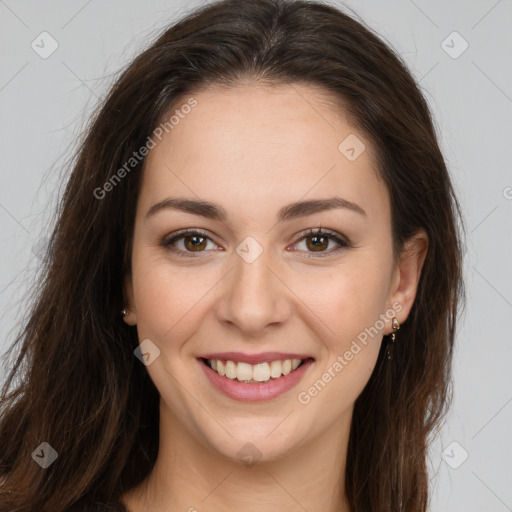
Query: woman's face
[[251, 280]]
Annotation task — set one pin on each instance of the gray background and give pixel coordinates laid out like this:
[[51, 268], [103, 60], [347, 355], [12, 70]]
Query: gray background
[[44, 103]]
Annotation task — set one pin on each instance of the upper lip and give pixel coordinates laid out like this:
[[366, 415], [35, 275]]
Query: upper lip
[[262, 357]]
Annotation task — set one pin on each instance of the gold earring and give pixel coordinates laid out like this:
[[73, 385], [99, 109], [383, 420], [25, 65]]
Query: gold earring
[[396, 325]]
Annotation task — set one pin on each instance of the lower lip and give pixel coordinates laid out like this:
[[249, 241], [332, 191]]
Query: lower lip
[[255, 392]]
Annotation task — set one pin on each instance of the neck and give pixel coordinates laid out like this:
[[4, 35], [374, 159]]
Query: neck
[[190, 477]]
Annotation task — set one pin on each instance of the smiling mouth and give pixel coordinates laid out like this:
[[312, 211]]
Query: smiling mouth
[[254, 373]]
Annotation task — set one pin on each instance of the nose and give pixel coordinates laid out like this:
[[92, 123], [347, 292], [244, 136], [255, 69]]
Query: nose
[[255, 296]]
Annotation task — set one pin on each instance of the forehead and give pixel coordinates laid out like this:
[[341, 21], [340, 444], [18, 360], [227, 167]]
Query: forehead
[[254, 146]]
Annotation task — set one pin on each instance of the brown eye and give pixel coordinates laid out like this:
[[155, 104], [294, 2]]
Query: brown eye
[[188, 242], [318, 242], [194, 242]]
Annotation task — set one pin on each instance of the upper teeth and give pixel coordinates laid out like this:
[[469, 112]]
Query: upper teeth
[[257, 372]]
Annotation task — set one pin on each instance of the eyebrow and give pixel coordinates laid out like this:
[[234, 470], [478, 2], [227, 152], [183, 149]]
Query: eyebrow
[[288, 212]]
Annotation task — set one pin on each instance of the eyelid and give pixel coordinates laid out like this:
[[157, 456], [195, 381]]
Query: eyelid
[[186, 231], [334, 235]]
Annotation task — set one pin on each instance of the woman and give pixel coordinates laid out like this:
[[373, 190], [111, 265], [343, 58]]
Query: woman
[[251, 292]]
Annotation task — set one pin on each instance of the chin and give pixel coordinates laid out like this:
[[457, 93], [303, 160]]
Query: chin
[[252, 441]]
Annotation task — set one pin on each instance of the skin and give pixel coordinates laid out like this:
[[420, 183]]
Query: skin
[[251, 140]]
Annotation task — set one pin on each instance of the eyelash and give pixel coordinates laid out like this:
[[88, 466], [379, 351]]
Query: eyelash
[[342, 242]]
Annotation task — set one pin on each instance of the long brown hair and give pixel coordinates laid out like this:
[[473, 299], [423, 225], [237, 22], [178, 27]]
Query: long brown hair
[[76, 383]]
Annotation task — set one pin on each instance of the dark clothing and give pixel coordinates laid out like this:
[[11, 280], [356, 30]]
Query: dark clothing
[[108, 507]]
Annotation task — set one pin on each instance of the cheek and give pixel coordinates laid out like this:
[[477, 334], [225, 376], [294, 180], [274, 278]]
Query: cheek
[[168, 300], [347, 300], [350, 304]]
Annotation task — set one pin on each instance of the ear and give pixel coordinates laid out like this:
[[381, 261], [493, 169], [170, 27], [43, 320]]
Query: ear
[[407, 274], [129, 304]]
